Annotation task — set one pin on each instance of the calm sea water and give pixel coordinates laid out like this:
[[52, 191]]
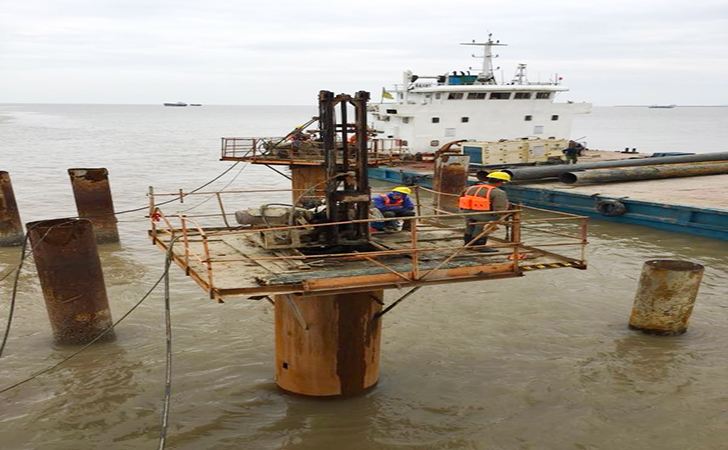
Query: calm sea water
[[542, 362]]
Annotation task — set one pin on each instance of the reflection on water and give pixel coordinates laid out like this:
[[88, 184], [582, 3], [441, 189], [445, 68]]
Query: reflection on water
[[541, 362]]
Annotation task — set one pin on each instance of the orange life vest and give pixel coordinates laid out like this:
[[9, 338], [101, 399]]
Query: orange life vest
[[476, 198]]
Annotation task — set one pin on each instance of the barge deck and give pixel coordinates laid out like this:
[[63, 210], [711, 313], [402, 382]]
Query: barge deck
[[694, 205]]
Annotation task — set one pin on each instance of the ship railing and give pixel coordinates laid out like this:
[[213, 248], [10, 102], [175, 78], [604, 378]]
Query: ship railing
[[383, 149], [513, 233]]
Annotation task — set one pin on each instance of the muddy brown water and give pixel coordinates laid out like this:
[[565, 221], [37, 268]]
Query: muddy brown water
[[541, 362]]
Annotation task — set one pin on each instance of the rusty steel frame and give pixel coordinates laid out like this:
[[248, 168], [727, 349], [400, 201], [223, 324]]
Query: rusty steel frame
[[348, 284]]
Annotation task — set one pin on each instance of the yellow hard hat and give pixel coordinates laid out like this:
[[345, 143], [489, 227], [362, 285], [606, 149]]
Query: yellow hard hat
[[403, 190], [503, 176]]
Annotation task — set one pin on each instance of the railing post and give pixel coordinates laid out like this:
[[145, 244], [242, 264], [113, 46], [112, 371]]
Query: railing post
[[186, 242]]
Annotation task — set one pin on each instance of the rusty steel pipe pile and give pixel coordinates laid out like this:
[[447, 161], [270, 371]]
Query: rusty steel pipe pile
[[92, 193], [553, 171], [644, 173], [11, 228], [665, 297], [69, 269]]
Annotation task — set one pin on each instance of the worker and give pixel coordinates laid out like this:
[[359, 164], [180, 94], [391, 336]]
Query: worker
[[297, 136], [395, 203], [483, 196], [572, 152]]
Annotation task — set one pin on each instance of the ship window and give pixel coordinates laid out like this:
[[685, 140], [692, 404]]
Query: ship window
[[391, 111], [476, 95], [437, 96], [543, 94], [554, 117], [522, 95], [465, 119], [405, 119], [500, 95], [455, 96], [528, 118], [435, 120], [434, 143]]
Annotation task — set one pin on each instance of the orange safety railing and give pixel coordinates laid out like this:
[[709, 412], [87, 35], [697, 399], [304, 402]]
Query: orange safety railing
[[195, 238]]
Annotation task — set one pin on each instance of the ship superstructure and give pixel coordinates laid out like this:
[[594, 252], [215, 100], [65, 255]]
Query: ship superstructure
[[425, 112]]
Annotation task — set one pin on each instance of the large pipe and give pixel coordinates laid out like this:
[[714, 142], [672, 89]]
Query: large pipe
[[93, 201], [70, 274], [535, 173], [644, 173], [450, 180], [328, 345], [665, 296]]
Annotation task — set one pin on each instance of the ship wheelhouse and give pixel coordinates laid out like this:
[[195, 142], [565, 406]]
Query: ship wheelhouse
[[425, 112]]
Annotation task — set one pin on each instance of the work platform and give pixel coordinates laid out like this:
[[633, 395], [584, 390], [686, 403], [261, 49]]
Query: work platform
[[229, 261]]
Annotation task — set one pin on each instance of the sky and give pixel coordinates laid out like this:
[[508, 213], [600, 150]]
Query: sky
[[281, 52]]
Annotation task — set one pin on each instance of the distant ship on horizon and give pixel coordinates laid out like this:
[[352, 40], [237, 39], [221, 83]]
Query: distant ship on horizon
[[662, 106], [176, 104]]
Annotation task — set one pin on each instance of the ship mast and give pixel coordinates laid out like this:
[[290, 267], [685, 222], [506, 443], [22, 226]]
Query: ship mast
[[487, 75]]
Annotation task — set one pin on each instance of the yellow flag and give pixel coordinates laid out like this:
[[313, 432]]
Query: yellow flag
[[386, 94]]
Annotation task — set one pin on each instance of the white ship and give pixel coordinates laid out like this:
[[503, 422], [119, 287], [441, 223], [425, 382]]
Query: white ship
[[426, 112]]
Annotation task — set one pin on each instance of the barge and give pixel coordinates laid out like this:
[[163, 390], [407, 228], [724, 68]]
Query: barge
[[693, 205]]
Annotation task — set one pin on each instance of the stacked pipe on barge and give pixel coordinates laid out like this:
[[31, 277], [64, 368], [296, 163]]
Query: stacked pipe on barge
[[69, 269], [11, 228], [645, 173], [539, 172], [93, 201]]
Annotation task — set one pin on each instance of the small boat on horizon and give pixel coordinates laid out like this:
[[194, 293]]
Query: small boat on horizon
[[176, 104], [662, 106]]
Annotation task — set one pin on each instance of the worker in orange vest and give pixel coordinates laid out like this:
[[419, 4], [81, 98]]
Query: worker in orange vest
[[483, 196]]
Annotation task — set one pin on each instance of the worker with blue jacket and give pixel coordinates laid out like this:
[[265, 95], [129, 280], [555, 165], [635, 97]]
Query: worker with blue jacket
[[395, 203]]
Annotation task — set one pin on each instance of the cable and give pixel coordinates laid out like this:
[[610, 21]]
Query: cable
[[211, 196], [168, 329], [191, 192], [11, 312], [145, 207]]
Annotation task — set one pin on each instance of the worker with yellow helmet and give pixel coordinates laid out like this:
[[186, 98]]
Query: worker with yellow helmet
[[483, 196], [395, 203]]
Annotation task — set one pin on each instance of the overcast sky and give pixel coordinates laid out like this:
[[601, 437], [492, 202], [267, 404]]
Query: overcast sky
[[283, 52]]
